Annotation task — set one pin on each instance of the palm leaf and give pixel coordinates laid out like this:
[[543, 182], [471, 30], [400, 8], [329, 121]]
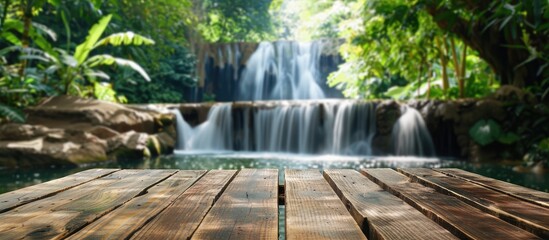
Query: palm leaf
[[83, 50], [110, 60], [127, 38]]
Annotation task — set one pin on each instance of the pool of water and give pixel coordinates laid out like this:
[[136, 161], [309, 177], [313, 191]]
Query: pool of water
[[14, 179]]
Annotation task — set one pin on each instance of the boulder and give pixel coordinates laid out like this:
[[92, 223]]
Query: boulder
[[128, 145], [74, 112], [71, 131], [19, 132], [58, 147]]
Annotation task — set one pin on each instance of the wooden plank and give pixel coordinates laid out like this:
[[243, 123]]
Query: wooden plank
[[526, 194], [463, 220], [529, 216], [181, 219], [248, 209], [14, 218], [314, 211], [23, 196], [130, 217], [381, 214], [65, 213]]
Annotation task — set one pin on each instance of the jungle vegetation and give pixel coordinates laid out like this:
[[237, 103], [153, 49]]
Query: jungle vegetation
[[398, 49]]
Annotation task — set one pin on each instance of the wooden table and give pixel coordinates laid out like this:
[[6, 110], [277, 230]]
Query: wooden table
[[245, 204]]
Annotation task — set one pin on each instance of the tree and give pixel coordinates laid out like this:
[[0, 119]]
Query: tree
[[234, 20], [510, 35], [394, 49]]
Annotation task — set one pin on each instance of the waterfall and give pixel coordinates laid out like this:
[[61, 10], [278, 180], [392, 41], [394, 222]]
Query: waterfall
[[214, 134], [283, 70], [183, 130], [339, 127], [411, 136], [288, 71]]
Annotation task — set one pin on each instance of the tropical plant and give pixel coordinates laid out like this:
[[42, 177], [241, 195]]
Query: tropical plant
[[511, 36], [394, 49], [176, 73], [10, 114], [78, 73]]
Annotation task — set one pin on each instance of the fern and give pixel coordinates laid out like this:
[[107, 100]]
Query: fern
[[11, 114]]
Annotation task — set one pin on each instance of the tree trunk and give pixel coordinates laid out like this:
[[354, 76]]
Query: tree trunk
[[492, 44], [443, 52]]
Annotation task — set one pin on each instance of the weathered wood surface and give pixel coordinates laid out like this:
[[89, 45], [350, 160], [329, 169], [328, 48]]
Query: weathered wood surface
[[248, 209], [181, 219], [130, 217], [461, 219], [537, 197], [381, 214], [65, 213], [20, 197], [529, 216], [314, 211], [224, 204]]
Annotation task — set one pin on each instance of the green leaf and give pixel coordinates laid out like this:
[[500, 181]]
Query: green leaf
[[103, 91], [485, 132], [110, 60], [127, 38], [508, 138], [83, 50], [11, 114]]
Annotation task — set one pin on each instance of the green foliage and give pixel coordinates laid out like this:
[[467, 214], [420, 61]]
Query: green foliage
[[510, 35], [388, 40], [175, 73], [10, 114], [235, 20], [307, 20], [485, 132], [83, 50], [77, 72]]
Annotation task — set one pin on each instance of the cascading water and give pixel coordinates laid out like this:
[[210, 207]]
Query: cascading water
[[283, 70], [290, 71], [339, 127], [214, 134], [324, 127], [410, 135]]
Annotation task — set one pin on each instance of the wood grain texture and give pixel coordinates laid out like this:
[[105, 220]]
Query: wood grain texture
[[247, 209], [181, 219], [130, 217], [526, 194], [463, 220], [314, 211], [65, 213], [529, 216], [13, 219], [381, 214], [23, 196]]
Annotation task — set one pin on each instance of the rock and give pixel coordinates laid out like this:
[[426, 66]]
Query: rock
[[56, 112], [160, 143], [512, 94], [71, 131], [387, 113], [58, 148], [103, 132], [489, 108], [128, 145], [448, 111], [17, 132]]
